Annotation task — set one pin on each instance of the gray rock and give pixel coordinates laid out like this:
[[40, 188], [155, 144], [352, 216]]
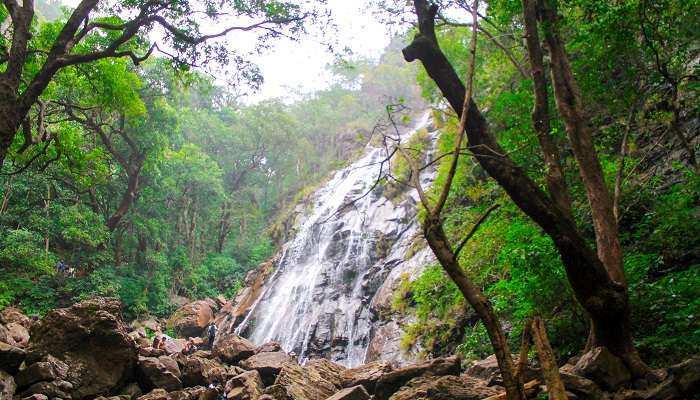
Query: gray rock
[[7, 385], [152, 373], [353, 393], [49, 369], [11, 357]]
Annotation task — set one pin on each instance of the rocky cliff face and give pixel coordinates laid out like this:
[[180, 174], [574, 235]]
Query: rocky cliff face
[[332, 283]]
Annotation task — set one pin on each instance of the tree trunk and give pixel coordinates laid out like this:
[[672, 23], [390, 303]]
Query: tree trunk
[[550, 369], [568, 99], [554, 176], [133, 190], [605, 300], [443, 252]]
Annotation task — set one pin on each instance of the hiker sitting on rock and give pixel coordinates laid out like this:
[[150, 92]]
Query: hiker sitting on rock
[[189, 348], [156, 342]]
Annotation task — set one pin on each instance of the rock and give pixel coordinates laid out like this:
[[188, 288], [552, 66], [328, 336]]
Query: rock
[[174, 346], [152, 373], [11, 357], [246, 386], [198, 371], [267, 364], [366, 375], [681, 382], [328, 370], [156, 394], [191, 319], [53, 389], [275, 392], [92, 339], [445, 387], [7, 385], [12, 315], [170, 364], [268, 347], [196, 393], [390, 382], [301, 383], [233, 348], [36, 397], [49, 369], [5, 336], [488, 370], [353, 393], [603, 368], [18, 333], [131, 391], [582, 388]]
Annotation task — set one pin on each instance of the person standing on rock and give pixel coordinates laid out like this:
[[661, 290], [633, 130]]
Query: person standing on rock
[[211, 333]]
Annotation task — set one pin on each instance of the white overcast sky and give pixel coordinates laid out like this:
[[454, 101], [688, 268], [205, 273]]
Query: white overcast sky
[[299, 67]]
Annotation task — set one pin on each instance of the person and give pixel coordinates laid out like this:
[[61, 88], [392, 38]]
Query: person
[[163, 340], [211, 333], [61, 267], [189, 348]]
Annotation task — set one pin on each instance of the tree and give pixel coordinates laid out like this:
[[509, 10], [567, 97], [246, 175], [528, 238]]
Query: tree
[[604, 299], [96, 30]]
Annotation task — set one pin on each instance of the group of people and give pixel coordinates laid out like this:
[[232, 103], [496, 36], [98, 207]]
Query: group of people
[[190, 346], [64, 269]]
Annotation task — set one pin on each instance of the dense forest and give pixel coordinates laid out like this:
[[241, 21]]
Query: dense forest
[[566, 191]]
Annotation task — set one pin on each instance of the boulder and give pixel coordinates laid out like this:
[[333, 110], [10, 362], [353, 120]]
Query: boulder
[[366, 375], [18, 333], [170, 363], [328, 370], [92, 339], [11, 357], [681, 382], [174, 346], [53, 389], [131, 391], [268, 347], [195, 393], [582, 388], [49, 369], [12, 315], [198, 371], [152, 373], [353, 393], [36, 397], [445, 387], [267, 364], [233, 348], [603, 368], [301, 383], [7, 385], [191, 319], [246, 386], [5, 336], [390, 382]]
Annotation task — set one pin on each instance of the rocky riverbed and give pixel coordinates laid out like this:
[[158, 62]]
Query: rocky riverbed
[[87, 351]]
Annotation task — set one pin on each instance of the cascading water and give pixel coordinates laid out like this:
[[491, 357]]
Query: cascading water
[[319, 301]]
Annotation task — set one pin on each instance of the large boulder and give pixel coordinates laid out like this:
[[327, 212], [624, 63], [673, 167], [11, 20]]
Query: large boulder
[[445, 387], [366, 375], [197, 371], [14, 315], [7, 385], [301, 383], [389, 383], [5, 336], [246, 386], [582, 388], [268, 347], [18, 333], [233, 348], [48, 369], [196, 393], [191, 319], [53, 389], [92, 339], [328, 370], [603, 368], [267, 364], [11, 357], [152, 373], [353, 393], [682, 381]]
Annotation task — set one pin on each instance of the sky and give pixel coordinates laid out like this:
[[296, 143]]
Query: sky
[[290, 68]]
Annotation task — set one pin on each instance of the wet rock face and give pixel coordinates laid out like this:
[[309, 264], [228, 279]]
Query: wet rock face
[[92, 339], [191, 319], [318, 303]]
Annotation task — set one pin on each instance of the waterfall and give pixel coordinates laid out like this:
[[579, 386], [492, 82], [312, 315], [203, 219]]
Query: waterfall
[[319, 301]]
